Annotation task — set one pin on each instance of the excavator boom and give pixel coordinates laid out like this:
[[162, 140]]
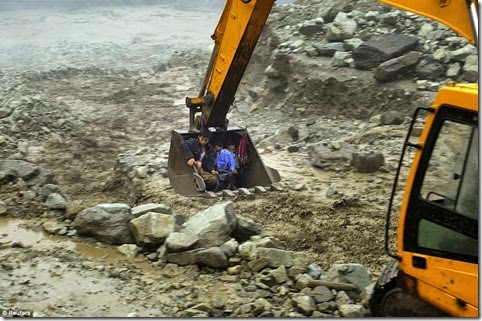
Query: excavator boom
[[459, 15], [235, 38]]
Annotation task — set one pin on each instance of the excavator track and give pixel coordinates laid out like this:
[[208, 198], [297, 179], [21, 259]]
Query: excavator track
[[389, 300]]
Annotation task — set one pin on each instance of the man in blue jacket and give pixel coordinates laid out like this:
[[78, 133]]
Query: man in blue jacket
[[226, 166]]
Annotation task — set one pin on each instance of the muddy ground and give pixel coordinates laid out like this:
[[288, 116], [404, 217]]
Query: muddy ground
[[124, 90]]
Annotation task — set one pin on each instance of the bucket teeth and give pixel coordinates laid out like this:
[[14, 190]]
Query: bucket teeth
[[276, 187], [260, 189], [244, 191], [227, 192], [209, 194]]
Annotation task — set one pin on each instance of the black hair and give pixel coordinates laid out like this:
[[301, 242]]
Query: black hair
[[217, 142], [204, 132]]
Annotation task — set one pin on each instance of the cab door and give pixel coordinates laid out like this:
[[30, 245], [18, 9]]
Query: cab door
[[440, 235]]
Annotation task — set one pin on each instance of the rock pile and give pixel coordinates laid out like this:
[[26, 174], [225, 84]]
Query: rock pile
[[376, 37], [277, 282], [29, 190]]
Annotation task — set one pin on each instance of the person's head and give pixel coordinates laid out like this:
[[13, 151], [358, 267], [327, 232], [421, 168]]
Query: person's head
[[218, 146], [232, 148], [204, 136]]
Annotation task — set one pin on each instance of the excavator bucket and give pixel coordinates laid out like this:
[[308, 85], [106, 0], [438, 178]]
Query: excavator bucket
[[184, 179]]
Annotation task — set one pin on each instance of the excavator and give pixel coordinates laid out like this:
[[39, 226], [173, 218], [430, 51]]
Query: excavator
[[434, 271], [235, 38]]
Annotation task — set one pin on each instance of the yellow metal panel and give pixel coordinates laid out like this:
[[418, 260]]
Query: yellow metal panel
[[453, 13], [446, 284], [465, 96]]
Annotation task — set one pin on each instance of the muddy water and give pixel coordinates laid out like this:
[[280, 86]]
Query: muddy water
[[56, 277], [23, 233]]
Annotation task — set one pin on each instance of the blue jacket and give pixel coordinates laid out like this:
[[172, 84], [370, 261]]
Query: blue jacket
[[226, 160]]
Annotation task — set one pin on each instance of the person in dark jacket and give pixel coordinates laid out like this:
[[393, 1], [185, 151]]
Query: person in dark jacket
[[199, 153]]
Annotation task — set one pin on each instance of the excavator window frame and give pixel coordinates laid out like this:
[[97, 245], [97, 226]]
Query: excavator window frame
[[420, 210]]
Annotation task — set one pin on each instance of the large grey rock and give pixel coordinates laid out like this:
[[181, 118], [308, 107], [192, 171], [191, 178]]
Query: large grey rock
[[106, 222], [152, 228], [182, 258], [304, 304], [151, 207], [213, 257], [392, 68], [129, 250], [471, 68], [322, 294], [430, 69], [462, 53], [178, 242], [323, 156], [382, 48], [212, 226], [311, 27], [55, 201], [247, 228], [352, 310], [278, 257], [392, 117], [329, 49], [352, 273], [343, 27], [24, 170], [367, 162]]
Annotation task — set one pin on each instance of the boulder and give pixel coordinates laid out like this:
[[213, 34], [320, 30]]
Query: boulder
[[24, 170], [213, 226], [392, 68], [213, 257], [151, 207], [352, 273], [322, 156], [247, 228], [278, 257], [179, 242], [329, 49], [106, 222], [55, 201], [152, 228], [430, 68], [367, 162], [382, 48]]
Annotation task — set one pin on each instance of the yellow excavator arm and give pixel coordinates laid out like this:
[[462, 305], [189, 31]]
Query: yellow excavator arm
[[459, 15], [235, 38]]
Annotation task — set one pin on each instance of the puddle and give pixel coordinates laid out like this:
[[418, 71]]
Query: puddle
[[57, 286], [20, 231]]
